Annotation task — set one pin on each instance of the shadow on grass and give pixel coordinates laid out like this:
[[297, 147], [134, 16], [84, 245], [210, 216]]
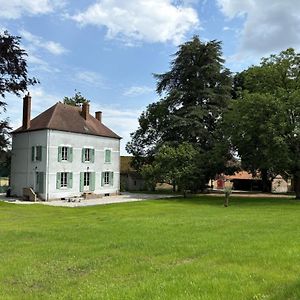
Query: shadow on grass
[[291, 292], [234, 201]]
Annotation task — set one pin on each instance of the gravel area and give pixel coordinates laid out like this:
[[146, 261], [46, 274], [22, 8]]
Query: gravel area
[[125, 197]]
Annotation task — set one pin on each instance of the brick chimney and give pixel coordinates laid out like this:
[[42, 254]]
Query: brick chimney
[[85, 110], [98, 116], [26, 111]]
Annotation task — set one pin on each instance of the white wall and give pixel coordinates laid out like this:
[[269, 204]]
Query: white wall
[[23, 170], [77, 142]]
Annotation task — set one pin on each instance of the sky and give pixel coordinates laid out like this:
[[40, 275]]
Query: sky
[[109, 49]]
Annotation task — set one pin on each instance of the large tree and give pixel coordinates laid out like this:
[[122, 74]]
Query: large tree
[[194, 95], [268, 106], [13, 76]]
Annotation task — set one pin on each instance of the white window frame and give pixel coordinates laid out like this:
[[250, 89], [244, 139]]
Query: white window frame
[[86, 179], [64, 153], [63, 179], [87, 154], [106, 178]]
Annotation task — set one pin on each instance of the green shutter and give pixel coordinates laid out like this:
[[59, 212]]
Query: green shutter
[[111, 178], [102, 179], [107, 156], [32, 153], [81, 181], [70, 180], [40, 182], [82, 155], [39, 153], [92, 181], [70, 154], [59, 153], [58, 180], [92, 155]]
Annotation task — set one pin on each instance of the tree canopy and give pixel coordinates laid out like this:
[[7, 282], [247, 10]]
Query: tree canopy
[[194, 95], [76, 100], [265, 118], [13, 76]]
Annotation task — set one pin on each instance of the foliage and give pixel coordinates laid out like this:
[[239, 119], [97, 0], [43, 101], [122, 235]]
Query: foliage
[[269, 112], [162, 249], [13, 76], [173, 164], [76, 100], [194, 95]]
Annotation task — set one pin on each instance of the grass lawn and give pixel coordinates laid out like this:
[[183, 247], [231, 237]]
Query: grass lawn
[[163, 249]]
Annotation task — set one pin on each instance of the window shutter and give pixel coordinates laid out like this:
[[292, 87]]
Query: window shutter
[[92, 181], [41, 182], [58, 180], [82, 155], [107, 156], [81, 181], [111, 178], [32, 153], [102, 179], [92, 155], [70, 154], [39, 153], [70, 180], [59, 153]]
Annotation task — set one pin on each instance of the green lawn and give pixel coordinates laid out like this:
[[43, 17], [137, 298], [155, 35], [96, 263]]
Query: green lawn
[[163, 249]]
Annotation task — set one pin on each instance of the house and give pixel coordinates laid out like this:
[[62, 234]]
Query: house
[[64, 152]]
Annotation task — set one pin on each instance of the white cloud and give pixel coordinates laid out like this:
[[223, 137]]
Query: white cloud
[[90, 78], [135, 91], [141, 20], [269, 26], [14, 9], [38, 42]]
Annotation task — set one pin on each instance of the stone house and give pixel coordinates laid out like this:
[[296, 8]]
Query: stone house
[[64, 152]]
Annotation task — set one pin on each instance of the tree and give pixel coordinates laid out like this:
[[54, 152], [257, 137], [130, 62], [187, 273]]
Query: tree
[[194, 95], [76, 100], [273, 89], [13, 67], [253, 125], [174, 165], [13, 76]]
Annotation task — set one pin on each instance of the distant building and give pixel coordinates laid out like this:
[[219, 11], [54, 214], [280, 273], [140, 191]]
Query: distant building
[[131, 180], [64, 152]]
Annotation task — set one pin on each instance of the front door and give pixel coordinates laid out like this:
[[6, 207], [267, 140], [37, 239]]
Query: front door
[[86, 181]]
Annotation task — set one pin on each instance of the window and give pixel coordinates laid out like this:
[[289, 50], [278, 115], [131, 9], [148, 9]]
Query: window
[[88, 155], [107, 156], [64, 180], [36, 153], [65, 153], [86, 179], [107, 178]]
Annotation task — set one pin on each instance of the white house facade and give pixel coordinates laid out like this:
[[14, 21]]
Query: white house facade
[[64, 152]]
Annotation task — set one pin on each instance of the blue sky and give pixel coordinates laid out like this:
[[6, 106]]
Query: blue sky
[[109, 49]]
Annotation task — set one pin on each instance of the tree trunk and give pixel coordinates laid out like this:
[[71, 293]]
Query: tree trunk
[[266, 187], [297, 184]]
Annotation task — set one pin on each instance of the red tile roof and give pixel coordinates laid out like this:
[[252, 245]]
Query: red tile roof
[[65, 117]]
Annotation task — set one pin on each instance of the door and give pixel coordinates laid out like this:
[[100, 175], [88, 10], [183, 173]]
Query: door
[[86, 181]]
